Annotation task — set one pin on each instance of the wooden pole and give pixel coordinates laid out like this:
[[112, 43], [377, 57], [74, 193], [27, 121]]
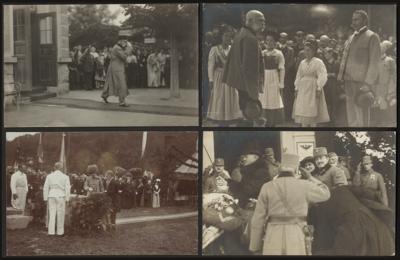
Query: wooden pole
[[174, 83]]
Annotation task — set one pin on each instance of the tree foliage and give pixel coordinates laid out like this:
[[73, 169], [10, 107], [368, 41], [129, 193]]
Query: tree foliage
[[179, 19], [92, 24], [381, 145], [177, 23], [107, 150]]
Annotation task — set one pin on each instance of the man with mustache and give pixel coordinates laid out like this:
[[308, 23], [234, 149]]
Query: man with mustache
[[329, 174]]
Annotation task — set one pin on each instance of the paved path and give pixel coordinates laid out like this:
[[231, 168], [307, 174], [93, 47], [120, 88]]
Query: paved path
[[42, 115], [138, 108], [154, 218]]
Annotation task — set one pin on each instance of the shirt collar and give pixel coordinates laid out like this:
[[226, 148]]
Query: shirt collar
[[361, 30]]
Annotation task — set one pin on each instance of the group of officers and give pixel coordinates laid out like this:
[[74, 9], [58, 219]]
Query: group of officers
[[345, 208], [50, 192]]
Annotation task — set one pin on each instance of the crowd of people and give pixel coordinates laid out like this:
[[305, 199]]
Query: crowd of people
[[319, 205], [146, 67], [29, 189], [306, 78]]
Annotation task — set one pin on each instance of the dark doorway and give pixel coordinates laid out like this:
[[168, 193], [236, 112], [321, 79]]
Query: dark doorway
[[44, 50], [230, 145]]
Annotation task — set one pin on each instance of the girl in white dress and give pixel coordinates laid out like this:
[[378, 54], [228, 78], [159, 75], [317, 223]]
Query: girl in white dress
[[310, 105], [274, 74], [223, 106]]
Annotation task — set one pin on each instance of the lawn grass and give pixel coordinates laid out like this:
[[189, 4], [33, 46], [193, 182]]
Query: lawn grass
[[165, 237]]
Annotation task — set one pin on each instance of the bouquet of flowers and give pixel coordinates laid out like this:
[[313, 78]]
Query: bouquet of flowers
[[221, 210]]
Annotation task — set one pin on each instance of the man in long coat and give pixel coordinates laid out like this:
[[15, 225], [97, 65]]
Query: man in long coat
[[359, 67], [279, 222], [116, 84], [244, 69]]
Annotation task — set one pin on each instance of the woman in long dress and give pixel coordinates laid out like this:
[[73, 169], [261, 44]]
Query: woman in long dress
[[310, 106], [223, 106], [156, 194], [274, 75]]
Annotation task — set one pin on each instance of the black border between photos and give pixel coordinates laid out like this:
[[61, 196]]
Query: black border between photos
[[199, 129]]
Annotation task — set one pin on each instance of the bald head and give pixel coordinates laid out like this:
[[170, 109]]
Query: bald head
[[255, 20], [58, 165]]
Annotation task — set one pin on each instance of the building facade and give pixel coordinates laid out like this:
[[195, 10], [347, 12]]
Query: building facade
[[230, 145], [36, 48]]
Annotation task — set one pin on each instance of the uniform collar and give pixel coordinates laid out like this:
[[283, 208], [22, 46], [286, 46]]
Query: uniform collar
[[323, 170]]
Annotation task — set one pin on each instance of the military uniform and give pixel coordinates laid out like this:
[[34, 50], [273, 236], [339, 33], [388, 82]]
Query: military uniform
[[331, 175], [281, 212], [371, 181], [56, 191]]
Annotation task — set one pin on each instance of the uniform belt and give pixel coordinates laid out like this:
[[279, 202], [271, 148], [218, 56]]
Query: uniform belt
[[287, 219]]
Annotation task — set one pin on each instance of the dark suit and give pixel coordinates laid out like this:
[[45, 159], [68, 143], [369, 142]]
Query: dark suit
[[114, 190], [244, 69]]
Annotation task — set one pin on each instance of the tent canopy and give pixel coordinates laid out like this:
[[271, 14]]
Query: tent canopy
[[188, 170]]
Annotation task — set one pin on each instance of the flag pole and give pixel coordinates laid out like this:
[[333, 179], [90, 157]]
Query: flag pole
[[63, 158]]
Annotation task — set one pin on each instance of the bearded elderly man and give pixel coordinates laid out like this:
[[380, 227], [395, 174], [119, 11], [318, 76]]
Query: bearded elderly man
[[244, 69]]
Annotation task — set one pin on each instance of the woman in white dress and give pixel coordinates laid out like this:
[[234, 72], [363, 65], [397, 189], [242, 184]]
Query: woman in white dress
[[223, 106], [310, 105], [274, 74]]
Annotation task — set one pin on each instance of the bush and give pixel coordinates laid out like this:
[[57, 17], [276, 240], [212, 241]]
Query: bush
[[91, 214]]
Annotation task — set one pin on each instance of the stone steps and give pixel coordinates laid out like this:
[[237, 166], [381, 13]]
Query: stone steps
[[17, 221], [12, 211]]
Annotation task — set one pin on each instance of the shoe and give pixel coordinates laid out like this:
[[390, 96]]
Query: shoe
[[105, 100], [123, 105], [260, 122]]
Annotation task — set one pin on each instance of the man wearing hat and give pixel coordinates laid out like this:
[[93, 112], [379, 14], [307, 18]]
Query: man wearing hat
[[128, 191], [366, 178], [116, 84], [270, 162], [216, 181], [56, 191], [279, 224], [93, 182], [254, 175], [359, 68], [331, 175], [334, 161]]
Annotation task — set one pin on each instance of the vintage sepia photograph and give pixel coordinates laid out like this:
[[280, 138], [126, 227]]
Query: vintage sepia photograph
[[327, 193], [101, 193], [299, 65], [100, 65]]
